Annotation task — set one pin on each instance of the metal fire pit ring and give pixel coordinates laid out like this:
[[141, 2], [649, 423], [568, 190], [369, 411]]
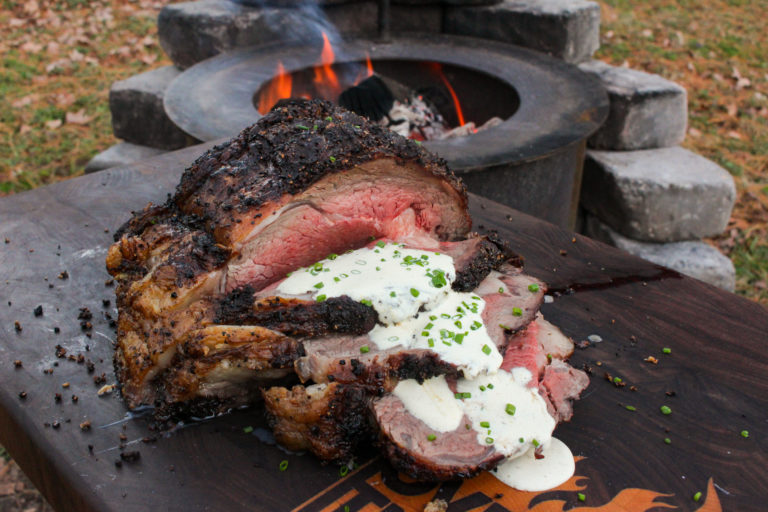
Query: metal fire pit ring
[[532, 161]]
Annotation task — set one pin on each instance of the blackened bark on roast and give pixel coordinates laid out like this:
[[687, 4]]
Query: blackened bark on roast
[[294, 317], [472, 266]]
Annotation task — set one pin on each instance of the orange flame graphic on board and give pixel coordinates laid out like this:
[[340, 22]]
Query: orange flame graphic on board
[[367, 488]]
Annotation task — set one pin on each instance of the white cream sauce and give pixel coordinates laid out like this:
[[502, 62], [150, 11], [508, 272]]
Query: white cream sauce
[[434, 401], [410, 289], [527, 473]]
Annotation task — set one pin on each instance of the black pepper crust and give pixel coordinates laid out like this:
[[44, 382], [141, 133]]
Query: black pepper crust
[[297, 143], [302, 318]]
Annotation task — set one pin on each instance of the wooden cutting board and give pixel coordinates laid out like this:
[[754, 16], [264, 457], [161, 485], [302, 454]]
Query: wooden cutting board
[[53, 241]]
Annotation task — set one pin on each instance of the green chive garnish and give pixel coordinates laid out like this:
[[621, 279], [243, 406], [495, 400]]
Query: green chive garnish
[[283, 465], [302, 127], [667, 440], [392, 294], [486, 350], [489, 440], [533, 287], [630, 408], [332, 158], [535, 443], [697, 496], [501, 290], [667, 350], [366, 302], [431, 437], [329, 118], [665, 410], [485, 424], [510, 409], [414, 292], [333, 256], [343, 470], [617, 380], [364, 349], [581, 496], [517, 312], [490, 386], [248, 429], [321, 298], [745, 433], [380, 243], [319, 285], [466, 395]]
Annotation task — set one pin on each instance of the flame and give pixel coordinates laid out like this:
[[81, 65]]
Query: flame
[[326, 81], [280, 88], [456, 105], [368, 66]]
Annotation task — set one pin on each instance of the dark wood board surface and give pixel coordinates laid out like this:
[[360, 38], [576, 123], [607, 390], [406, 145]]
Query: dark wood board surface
[[718, 371]]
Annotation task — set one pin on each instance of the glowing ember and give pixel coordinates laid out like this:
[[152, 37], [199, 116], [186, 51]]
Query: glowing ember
[[437, 68], [326, 81]]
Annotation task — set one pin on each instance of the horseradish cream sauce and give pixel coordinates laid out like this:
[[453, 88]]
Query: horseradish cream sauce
[[527, 473], [410, 289]]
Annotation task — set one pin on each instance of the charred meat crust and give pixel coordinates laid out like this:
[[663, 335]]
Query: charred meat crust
[[331, 421], [300, 318], [488, 255], [293, 146]]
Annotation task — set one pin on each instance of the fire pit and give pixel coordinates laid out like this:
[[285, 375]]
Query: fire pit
[[531, 161]]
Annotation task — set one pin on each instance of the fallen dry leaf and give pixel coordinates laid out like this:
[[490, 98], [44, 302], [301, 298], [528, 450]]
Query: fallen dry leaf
[[63, 99], [53, 124], [25, 128], [732, 109], [31, 46], [693, 132], [26, 100], [734, 135], [78, 117]]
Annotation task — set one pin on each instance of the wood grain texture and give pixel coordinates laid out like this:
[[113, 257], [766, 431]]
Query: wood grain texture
[[718, 371]]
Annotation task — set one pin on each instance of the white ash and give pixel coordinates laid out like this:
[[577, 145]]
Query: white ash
[[417, 119]]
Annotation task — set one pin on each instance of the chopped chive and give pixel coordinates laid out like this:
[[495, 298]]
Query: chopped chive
[[364, 349], [482, 388], [581, 496], [414, 292], [425, 333], [488, 440], [501, 290], [475, 325], [417, 142], [321, 297], [431, 437], [380, 244], [617, 380], [485, 424], [392, 294], [319, 285], [447, 343], [630, 408], [459, 338], [366, 302], [533, 287], [445, 315], [667, 440], [697, 496], [505, 327], [517, 312], [431, 342], [665, 410], [329, 118], [745, 433], [432, 317], [490, 386], [343, 470], [535, 443], [332, 256], [457, 323], [666, 350], [486, 350], [378, 269], [283, 465], [466, 395], [248, 429], [302, 127], [429, 325], [457, 396], [424, 257], [522, 440], [510, 409]]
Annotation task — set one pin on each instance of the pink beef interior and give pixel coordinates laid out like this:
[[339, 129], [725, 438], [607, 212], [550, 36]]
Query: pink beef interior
[[379, 199]]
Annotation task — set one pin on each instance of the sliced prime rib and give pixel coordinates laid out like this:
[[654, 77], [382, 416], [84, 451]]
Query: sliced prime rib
[[307, 180], [339, 359], [403, 438]]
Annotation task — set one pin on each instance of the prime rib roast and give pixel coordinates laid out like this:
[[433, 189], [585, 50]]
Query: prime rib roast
[[202, 327]]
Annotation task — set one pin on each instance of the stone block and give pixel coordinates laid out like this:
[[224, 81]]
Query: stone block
[[138, 115], [658, 195], [423, 19], [120, 154], [695, 259], [647, 111], [568, 29], [190, 32]]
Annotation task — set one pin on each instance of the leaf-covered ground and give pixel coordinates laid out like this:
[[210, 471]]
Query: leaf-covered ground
[[58, 59]]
